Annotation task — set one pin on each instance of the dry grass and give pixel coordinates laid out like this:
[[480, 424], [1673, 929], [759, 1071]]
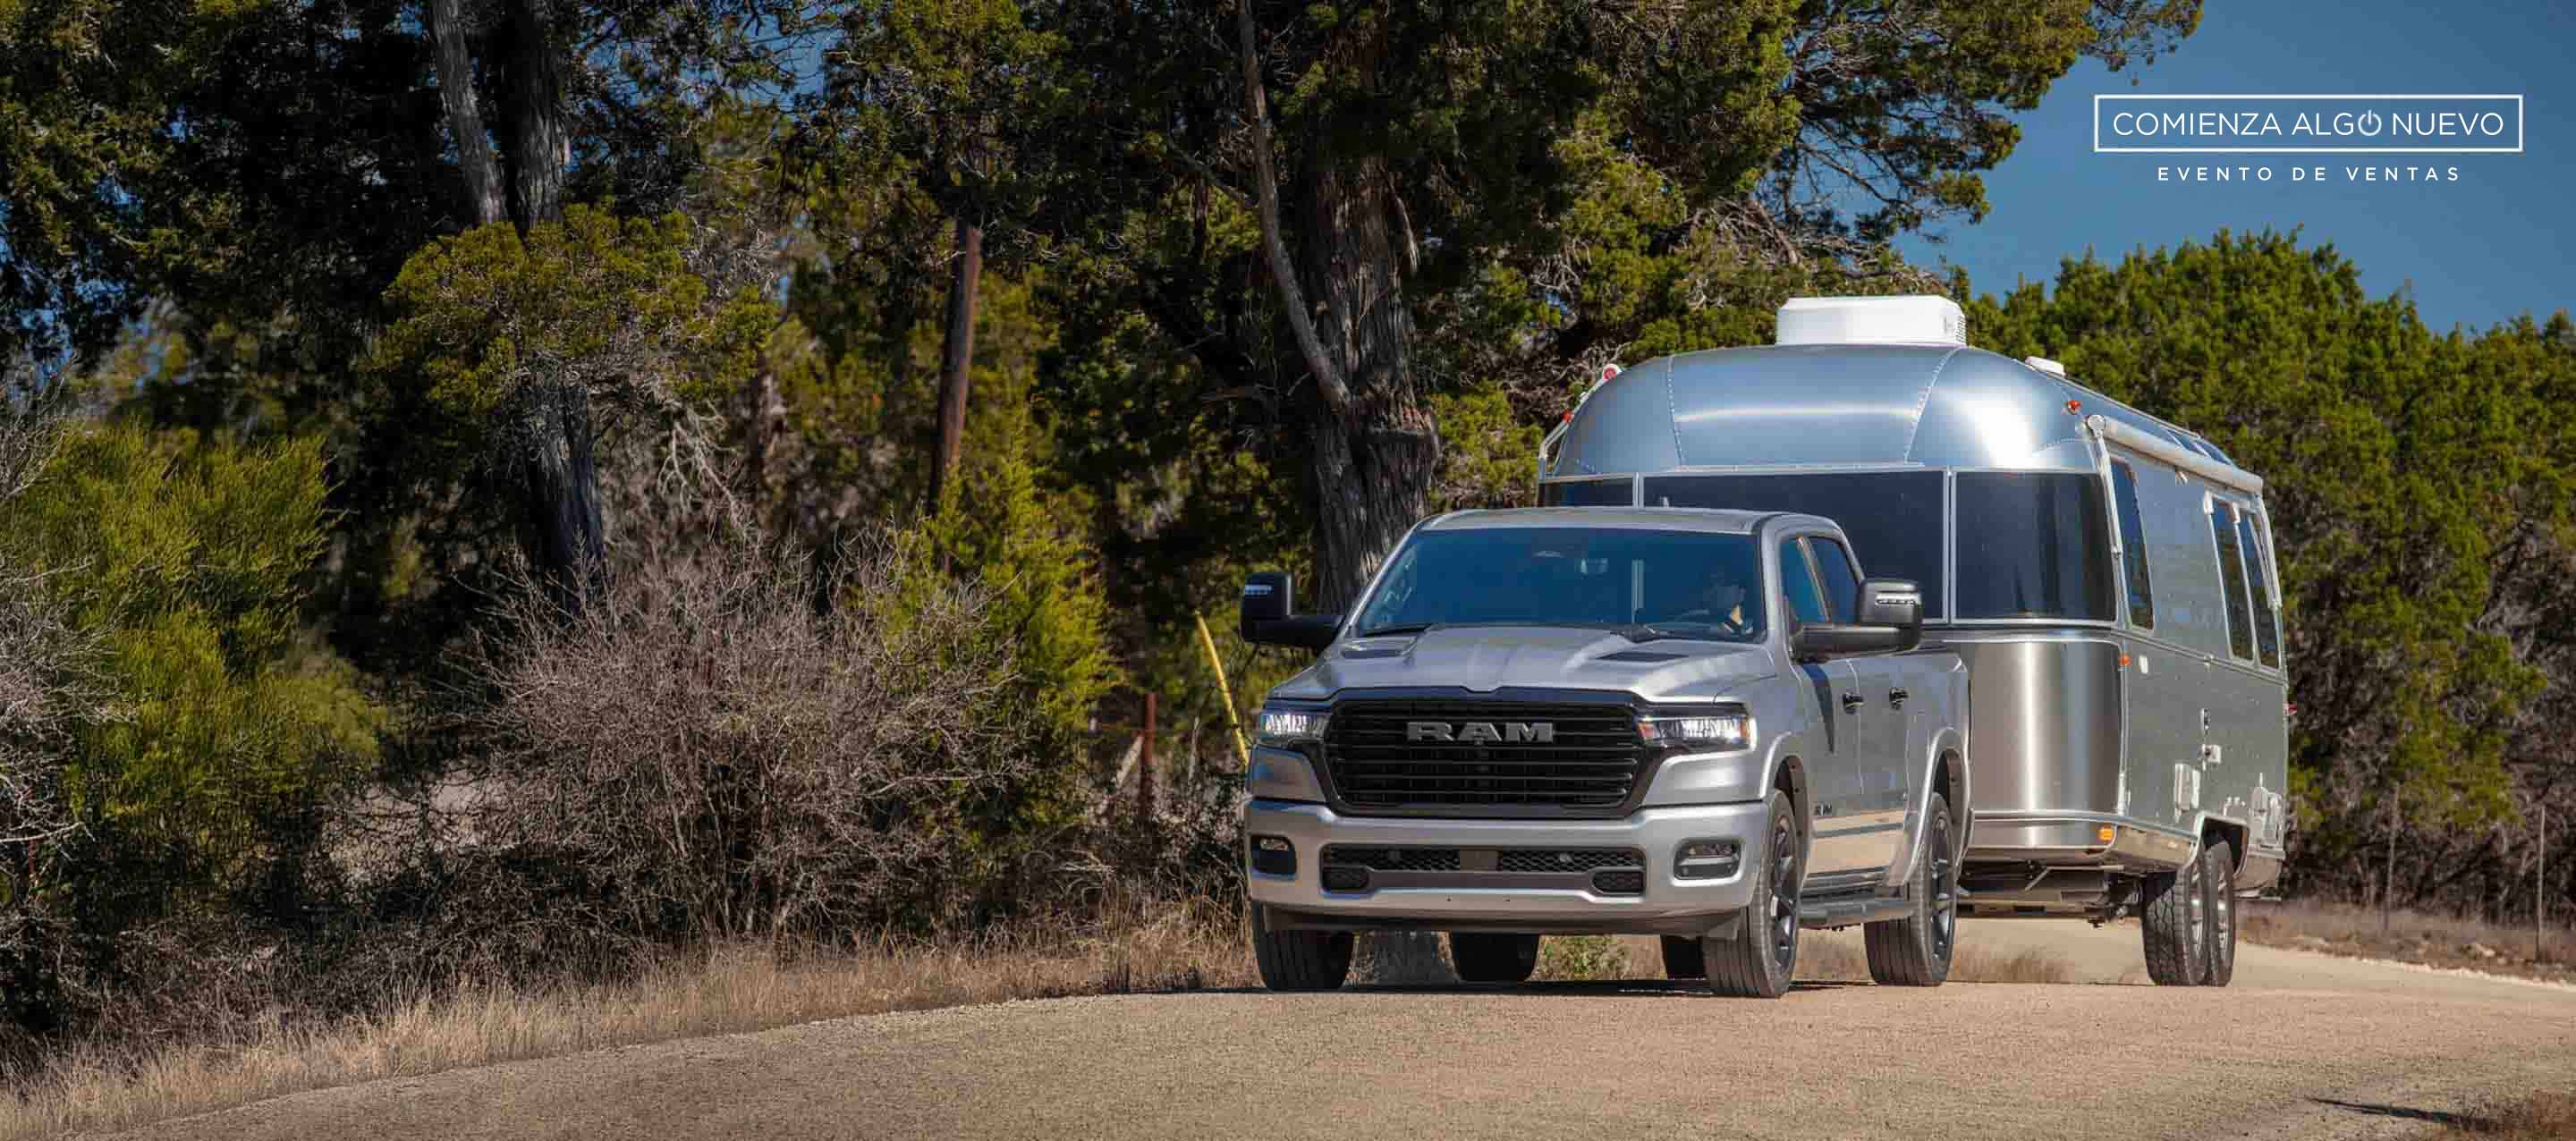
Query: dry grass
[[2542, 1117], [732, 991], [2412, 937]]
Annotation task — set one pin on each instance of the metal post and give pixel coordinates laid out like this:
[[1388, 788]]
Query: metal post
[[2540, 888], [2388, 882], [1145, 765]]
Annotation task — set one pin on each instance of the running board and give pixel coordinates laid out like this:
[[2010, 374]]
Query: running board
[[1831, 913]]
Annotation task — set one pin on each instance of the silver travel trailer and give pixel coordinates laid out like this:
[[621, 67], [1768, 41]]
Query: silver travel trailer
[[2107, 576]]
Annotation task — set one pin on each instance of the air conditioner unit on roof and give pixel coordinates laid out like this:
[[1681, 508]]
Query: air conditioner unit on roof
[[1920, 319]]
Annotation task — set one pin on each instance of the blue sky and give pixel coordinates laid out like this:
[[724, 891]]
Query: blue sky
[[2498, 242]]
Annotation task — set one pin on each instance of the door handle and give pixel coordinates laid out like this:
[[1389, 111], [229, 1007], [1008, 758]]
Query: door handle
[[1896, 697], [1851, 702]]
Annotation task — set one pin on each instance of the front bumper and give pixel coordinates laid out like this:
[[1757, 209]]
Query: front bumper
[[1668, 906]]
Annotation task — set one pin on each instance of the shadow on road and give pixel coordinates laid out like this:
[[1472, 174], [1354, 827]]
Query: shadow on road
[[2409, 1113]]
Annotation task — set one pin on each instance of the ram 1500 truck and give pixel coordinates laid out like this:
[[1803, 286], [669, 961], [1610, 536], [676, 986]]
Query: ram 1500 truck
[[1699, 724]]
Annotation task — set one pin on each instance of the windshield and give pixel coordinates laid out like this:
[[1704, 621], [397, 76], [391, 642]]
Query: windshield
[[1668, 582]]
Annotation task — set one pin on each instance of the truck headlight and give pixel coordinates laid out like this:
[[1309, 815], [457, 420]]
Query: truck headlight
[[1285, 727], [1730, 728]]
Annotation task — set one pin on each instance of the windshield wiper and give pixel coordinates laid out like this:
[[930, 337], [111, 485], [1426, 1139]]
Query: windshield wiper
[[1651, 631], [1409, 628]]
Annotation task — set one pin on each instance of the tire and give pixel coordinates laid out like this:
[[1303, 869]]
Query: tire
[[1761, 957], [1916, 950], [2218, 878], [1299, 960], [1682, 958], [2172, 911], [1486, 957]]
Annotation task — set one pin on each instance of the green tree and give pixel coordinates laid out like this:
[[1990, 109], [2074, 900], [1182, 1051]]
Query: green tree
[[185, 559], [1400, 151]]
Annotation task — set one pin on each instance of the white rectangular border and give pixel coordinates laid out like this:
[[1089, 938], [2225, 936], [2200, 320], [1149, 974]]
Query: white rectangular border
[[2519, 129]]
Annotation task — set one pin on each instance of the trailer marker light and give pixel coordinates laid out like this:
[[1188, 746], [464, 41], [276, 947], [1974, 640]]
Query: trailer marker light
[[2074, 407], [2124, 661], [2107, 834]]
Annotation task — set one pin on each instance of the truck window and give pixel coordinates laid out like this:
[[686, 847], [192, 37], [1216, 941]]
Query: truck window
[[1894, 515], [2133, 547], [2267, 637], [1588, 493], [1798, 585], [1571, 576], [1842, 585], [2231, 578], [2032, 545]]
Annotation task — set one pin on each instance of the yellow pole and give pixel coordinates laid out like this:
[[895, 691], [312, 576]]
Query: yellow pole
[[1207, 642]]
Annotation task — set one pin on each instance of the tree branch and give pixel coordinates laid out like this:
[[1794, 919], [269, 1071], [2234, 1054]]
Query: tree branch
[[1328, 380]]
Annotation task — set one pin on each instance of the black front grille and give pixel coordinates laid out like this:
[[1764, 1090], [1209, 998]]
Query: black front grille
[[1588, 766], [1395, 859], [1566, 859], [1619, 883]]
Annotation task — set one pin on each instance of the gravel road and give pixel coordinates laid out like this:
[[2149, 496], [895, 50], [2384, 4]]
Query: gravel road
[[2303, 1046]]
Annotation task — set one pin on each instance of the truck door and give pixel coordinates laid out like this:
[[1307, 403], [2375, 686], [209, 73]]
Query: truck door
[[1871, 809], [1834, 688]]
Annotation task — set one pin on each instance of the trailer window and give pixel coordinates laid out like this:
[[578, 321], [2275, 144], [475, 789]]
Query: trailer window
[[1893, 517], [1842, 587], [2267, 637], [2032, 545], [1618, 492], [2133, 547], [2231, 578]]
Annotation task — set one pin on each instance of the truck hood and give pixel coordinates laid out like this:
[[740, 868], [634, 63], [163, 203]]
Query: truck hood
[[1482, 659]]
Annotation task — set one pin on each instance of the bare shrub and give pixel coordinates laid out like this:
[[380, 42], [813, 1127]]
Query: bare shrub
[[704, 754]]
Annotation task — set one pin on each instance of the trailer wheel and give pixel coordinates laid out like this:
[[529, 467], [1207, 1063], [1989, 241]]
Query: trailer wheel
[[1486, 957], [2218, 872], [1682, 958], [2173, 911], [1299, 960], [1760, 958], [1915, 950]]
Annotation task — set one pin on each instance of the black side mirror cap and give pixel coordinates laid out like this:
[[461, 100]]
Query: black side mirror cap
[[1893, 602], [1268, 616]]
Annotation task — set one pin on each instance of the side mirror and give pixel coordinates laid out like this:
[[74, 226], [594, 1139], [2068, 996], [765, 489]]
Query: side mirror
[[1893, 602], [1268, 614], [1891, 621]]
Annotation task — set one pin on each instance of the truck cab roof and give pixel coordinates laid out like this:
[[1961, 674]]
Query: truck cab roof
[[1701, 519]]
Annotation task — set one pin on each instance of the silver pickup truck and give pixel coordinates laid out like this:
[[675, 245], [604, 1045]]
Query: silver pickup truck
[[1699, 724]]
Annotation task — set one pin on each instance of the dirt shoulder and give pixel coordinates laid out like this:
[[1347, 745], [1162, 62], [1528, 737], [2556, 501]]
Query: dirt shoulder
[[2303, 1046]]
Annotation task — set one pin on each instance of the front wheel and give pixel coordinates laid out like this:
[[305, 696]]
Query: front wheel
[[1299, 960], [1760, 958], [1485, 957], [1915, 950]]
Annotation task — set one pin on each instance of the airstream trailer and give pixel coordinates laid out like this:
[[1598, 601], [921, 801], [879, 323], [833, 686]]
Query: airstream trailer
[[2107, 576]]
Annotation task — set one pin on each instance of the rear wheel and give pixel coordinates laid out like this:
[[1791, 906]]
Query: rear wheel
[[2174, 912], [1299, 960], [1915, 950], [1484, 957], [1683, 960], [1760, 958], [2218, 874]]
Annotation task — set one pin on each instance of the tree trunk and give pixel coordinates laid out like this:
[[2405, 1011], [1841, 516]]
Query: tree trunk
[[1370, 467], [562, 532], [957, 358], [540, 147], [474, 157]]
